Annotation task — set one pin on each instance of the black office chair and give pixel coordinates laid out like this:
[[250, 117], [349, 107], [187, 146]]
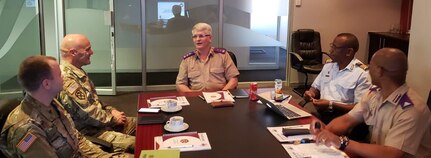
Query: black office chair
[[233, 57], [429, 100], [306, 55], [6, 106]]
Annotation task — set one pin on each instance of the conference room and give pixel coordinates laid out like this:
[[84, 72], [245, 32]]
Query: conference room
[[135, 53]]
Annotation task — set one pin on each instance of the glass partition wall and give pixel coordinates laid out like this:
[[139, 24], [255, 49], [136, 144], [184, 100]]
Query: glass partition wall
[[255, 30], [20, 38]]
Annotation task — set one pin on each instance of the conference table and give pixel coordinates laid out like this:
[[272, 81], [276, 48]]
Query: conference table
[[238, 131]]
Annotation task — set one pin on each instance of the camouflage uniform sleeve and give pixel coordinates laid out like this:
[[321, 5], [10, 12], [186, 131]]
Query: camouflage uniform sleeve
[[30, 142], [75, 100]]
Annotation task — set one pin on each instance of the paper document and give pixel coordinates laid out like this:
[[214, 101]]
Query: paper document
[[159, 102], [188, 141], [173, 153], [217, 96], [312, 150], [277, 132]]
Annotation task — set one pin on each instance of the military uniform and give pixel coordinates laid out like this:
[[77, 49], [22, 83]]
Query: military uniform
[[34, 130], [90, 115], [401, 121], [209, 75], [344, 86]]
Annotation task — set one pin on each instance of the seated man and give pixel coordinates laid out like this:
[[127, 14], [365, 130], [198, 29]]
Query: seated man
[[399, 119], [341, 83], [206, 68], [80, 99], [39, 126]]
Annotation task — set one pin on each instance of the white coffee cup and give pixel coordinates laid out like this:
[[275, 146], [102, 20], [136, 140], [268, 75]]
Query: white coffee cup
[[171, 104], [175, 122]]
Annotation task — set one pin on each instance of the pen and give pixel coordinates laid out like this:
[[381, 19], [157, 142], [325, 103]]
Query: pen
[[181, 146], [201, 97], [302, 141]]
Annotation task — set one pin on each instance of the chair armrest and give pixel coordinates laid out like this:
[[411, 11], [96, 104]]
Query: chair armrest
[[104, 145], [297, 56]]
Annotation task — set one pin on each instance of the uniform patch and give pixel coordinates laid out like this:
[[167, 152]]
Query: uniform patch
[[405, 101], [219, 50], [26, 142], [71, 89], [188, 55], [362, 65], [80, 95], [372, 89]]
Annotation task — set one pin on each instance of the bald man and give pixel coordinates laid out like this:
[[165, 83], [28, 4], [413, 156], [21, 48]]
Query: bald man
[[399, 119], [80, 99]]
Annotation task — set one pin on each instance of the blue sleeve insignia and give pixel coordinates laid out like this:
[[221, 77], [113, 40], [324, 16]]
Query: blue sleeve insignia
[[220, 50], [189, 55]]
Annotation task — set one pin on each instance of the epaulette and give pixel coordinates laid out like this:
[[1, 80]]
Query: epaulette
[[219, 50], [189, 55], [362, 66], [328, 61], [373, 88], [403, 100]]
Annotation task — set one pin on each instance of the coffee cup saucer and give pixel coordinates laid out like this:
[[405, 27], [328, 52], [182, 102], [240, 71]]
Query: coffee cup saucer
[[166, 109], [170, 129]]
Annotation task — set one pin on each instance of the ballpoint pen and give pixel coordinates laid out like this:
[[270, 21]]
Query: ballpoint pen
[[181, 146], [201, 97]]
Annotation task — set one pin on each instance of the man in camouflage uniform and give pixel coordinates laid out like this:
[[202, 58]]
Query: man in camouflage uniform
[[39, 126], [207, 68], [80, 99]]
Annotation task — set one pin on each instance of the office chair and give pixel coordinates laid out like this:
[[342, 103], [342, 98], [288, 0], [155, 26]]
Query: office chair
[[233, 57], [306, 55], [429, 100], [6, 106]]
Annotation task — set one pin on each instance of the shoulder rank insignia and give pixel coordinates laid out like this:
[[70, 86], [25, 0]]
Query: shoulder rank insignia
[[372, 89], [220, 50], [26, 142], [404, 100], [188, 55], [362, 65], [328, 61]]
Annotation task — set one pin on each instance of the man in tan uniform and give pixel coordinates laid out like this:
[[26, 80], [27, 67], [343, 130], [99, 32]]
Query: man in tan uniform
[[39, 126], [398, 117], [207, 68], [80, 99]]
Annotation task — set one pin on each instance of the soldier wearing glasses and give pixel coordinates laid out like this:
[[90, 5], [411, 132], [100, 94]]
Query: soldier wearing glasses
[[206, 68], [341, 82]]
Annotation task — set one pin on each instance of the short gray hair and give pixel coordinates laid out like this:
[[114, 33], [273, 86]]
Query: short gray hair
[[202, 27]]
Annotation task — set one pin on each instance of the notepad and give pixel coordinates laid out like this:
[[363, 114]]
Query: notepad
[[173, 153]]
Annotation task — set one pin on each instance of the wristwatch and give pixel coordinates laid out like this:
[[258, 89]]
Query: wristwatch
[[331, 106], [344, 141]]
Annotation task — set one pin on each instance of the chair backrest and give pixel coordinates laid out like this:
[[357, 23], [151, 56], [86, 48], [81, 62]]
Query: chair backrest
[[6, 106], [233, 57], [306, 43], [429, 100]]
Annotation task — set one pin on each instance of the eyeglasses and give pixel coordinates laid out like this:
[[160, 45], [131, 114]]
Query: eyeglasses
[[200, 36], [333, 46]]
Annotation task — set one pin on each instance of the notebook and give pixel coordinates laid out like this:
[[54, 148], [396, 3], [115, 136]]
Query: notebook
[[284, 108]]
